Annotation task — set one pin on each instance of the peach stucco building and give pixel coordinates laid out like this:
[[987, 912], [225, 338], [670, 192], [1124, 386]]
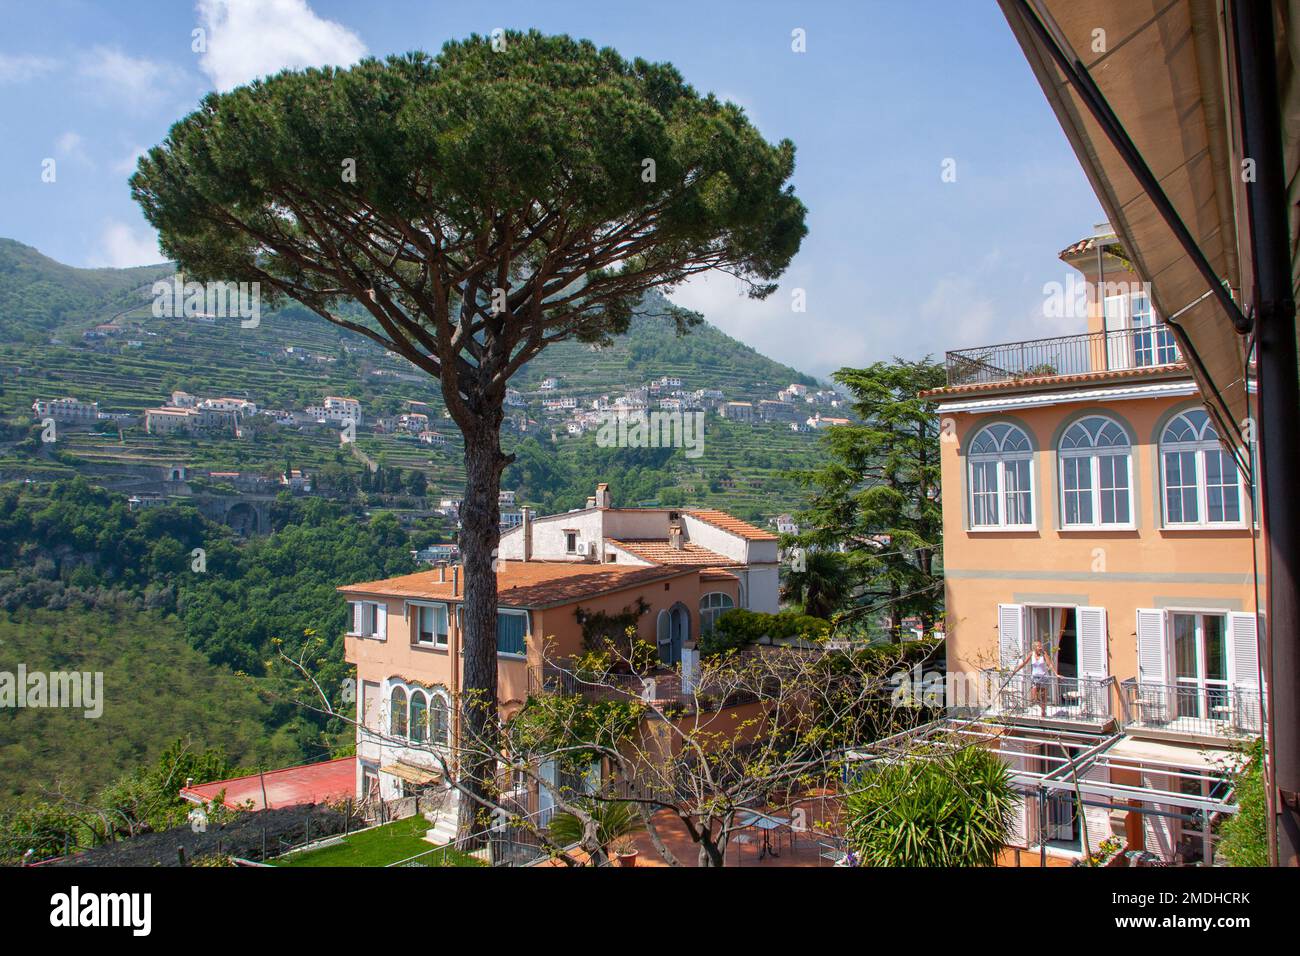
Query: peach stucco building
[[405, 632], [1089, 505]]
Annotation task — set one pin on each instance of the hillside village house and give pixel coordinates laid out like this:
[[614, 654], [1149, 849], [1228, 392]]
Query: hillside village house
[[603, 534], [67, 410], [405, 634], [1089, 504]]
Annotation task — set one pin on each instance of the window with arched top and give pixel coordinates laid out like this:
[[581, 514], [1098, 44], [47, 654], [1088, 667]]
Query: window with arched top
[[397, 712], [1202, 484], [1000, 461], [712, 606], [419, 717], [1096, 465], [438, 720]]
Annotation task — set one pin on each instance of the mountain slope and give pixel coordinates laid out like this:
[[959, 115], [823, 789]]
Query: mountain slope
[[38, 294]]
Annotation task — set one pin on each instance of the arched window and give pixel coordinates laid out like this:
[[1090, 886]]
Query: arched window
[[1096, 474], [712, 605], [438, 720], [419, 717], [1001, 478], [1202, 485], [397, 712]]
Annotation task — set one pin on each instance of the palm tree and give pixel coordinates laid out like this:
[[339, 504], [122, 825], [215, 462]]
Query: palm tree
[[822, 585], [613, 820], [950, 809]]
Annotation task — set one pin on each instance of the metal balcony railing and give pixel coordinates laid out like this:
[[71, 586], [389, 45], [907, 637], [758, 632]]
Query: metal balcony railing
[[1201, 710], [1149, 347], [1085, 699]]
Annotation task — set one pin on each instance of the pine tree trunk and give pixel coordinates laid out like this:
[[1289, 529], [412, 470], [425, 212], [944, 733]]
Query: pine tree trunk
[[480, 532]]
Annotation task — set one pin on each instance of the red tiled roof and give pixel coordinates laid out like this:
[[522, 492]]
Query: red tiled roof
[[720, 519], [1079, 378], [324, 782], [526, 584], [660, 551]]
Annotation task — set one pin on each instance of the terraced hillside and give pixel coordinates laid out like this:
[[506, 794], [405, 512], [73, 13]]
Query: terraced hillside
[[292, 359]]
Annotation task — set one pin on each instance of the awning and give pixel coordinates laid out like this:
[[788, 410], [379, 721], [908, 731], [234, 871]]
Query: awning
[[1164, 69], [417, 776]]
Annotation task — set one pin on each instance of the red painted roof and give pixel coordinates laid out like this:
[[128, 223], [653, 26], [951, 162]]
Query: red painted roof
[[325, 782], [661, 551], [720, 519]]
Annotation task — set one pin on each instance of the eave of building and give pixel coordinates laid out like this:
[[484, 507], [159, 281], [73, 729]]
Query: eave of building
[[1040, 399]]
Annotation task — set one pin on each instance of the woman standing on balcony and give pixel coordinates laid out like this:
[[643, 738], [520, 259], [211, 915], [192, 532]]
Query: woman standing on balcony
[[1041, 667]]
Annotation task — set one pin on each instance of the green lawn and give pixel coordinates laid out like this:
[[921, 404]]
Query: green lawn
[[381, 846]]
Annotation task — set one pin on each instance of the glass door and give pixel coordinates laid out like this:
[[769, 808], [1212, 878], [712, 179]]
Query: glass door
[[1201, 665]]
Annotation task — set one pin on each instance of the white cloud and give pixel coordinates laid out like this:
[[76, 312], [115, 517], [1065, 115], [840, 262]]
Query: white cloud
[[24, 67], [126, 165], [121, 247], [247, 39], [70, 145], [135, 82]]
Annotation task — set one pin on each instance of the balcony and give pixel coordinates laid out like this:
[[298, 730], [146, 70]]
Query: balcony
[[1191, 712], [1117, 350], [1069, 702]]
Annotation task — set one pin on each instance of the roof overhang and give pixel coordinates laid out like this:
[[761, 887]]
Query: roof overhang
[[1170, 177]]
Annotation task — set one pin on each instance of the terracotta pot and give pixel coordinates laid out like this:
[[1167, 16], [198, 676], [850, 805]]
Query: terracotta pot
[[627, 859]]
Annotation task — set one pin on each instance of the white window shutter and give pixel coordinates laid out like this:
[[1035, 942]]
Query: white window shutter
[[381, 621], [356, 606], [1159, 830], [1243, 634], [1151, 646], [1022, 817], [1011, 635], [1091, 623], [1097, 818]]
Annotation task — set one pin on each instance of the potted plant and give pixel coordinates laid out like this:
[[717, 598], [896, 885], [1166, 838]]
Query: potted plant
[[625, 851], [616, 821]]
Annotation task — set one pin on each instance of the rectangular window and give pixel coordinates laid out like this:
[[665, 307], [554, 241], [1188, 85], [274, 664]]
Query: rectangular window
[[431, 624], [1222, 491], [512, 629], [1019, 501], [1180, 487], [1113, 488], [571, 542], [1078, 490], [984, 494]]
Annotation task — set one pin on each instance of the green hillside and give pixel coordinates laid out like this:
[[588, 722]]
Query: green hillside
[[293, 358]]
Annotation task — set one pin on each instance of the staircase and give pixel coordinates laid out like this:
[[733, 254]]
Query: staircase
[[442, 820]]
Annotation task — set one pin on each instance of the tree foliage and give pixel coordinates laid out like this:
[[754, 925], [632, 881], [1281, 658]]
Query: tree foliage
[[878, 499], [938, 809]]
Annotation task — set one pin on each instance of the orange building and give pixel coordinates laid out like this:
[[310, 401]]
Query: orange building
[[405, 640], [1091, 510]]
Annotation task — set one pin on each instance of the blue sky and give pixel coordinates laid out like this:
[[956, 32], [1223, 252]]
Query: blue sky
[[897, 260]]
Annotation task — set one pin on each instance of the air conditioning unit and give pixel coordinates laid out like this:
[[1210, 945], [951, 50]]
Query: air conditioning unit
[[583, 549]]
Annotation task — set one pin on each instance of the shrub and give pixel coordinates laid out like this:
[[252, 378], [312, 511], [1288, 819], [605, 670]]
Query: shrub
[[1244, 835], [739, 628], [953, 809]]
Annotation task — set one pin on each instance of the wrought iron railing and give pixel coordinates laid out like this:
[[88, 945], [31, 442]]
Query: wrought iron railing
[[1149, 347], [1203, 710], [1061, 698]]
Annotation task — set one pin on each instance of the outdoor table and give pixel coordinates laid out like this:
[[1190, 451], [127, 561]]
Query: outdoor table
[[767, 824]]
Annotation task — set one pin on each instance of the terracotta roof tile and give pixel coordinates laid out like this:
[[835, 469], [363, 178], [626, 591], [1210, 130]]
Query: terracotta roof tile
[[720, 519], [1079, 378], [525, 583], [660, 551]]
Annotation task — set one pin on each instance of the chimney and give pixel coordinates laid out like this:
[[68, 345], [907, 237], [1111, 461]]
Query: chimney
[[442, 573], [591, 502], [526, 524], [455, 580], [675, 536], [602, 495]]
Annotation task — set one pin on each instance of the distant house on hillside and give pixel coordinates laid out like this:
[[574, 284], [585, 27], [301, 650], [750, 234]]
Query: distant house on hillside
[[69, 410], [737, 411]]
